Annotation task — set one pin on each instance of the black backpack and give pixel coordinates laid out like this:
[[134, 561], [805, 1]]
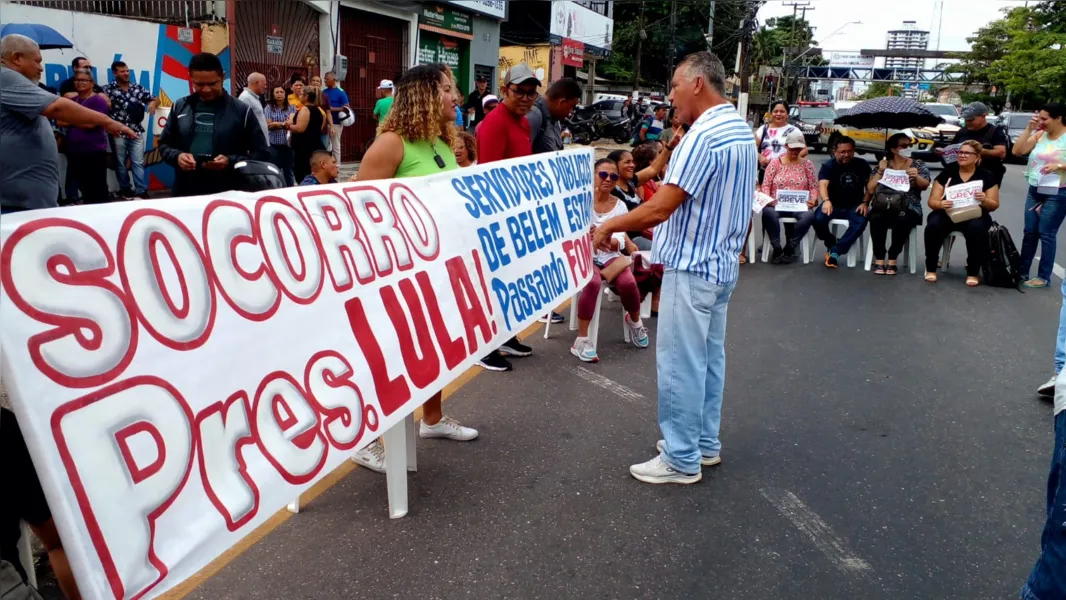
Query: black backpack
[[1002, 269]]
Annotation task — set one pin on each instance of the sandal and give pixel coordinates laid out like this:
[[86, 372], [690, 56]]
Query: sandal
[[743, 259], [930, 277], [972, 281], [891, 269], [879, 268]]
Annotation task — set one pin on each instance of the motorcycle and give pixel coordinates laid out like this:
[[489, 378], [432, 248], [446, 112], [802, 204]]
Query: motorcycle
[[583, 128], [620, 130]]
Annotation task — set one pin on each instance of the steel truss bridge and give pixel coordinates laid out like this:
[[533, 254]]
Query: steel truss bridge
[[870, 74]]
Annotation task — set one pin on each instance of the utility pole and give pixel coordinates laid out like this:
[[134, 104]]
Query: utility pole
[[788, 46], [747, 27], [640, 44], [710, 28]]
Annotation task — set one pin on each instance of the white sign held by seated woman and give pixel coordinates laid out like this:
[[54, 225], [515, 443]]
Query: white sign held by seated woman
[[964, 194], [896, 179], [761, 201], [792, 200]]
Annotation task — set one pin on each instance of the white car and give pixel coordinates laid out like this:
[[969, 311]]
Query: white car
[[948, 112]]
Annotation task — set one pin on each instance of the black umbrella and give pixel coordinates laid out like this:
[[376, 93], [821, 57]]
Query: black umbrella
[[890, 112]]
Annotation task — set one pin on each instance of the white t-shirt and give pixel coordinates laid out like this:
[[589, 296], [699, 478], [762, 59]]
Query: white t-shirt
[[773, 142], [601, 257]]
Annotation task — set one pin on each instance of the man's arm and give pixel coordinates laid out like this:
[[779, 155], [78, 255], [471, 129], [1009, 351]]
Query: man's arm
[[169, 138], [256, 145], [999, 146], [823, 190], [71, 112], [648, 214], [536, 119]]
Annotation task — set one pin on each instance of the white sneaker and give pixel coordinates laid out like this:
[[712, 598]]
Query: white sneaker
[[1048, 389], [447, 428], [371, 457], [638, 333], [584, 350], [657, 471], [706, 461]]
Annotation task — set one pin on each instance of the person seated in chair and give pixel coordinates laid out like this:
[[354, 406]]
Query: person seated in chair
[[790, 171], [975, 229], [885, 214], [842, 188], [612, 267]]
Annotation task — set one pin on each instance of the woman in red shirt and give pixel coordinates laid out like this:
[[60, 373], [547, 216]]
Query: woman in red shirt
[[790, 171]]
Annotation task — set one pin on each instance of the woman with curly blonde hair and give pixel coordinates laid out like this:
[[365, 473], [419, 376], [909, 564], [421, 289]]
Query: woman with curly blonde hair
[[416, 139]]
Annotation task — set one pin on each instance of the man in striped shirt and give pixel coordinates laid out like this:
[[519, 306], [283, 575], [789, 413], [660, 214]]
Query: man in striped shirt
[[703, 209]]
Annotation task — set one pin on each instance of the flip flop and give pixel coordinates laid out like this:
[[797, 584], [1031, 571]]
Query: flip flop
[[930, 277], [972, 281]]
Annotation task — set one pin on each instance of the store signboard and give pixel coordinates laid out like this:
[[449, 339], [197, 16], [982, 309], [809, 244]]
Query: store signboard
[[433, 50], [446, 21], [570, 20], [573, 53], [491, 8]]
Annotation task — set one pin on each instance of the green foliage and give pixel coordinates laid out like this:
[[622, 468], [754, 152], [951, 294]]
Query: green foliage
[[1023, 53], [878, 89]]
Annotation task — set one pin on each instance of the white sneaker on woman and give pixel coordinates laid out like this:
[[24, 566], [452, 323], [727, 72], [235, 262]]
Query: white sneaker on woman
[[447, 428], [372, 457], [638, 333]]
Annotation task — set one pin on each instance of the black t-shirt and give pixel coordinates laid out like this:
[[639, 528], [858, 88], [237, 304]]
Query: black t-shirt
[[989, 137], [23, 496], [847, 181], [630, 198], [474, 101]]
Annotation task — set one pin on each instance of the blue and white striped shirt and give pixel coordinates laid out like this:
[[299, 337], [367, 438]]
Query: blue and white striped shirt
[[717, 166]]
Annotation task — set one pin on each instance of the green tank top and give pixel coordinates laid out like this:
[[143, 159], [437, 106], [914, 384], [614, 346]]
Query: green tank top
[[419, 158]]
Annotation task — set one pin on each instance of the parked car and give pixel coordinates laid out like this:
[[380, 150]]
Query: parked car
[[948, 112], [872, 141], [1014, 123], [810, 117]]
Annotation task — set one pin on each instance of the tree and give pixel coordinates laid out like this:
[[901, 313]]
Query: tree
[[1022, 54], [878, 89]]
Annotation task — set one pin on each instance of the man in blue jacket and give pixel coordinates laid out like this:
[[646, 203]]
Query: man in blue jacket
[[208, 132]]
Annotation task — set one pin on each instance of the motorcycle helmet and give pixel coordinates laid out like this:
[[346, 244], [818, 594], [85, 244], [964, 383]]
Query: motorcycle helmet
[[346, 117], [257, 175]]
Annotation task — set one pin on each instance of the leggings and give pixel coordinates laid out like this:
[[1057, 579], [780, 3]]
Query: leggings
[[624, 285], [900, 225], [90, 169]]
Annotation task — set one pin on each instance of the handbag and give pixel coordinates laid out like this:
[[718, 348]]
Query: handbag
[[887, 201]]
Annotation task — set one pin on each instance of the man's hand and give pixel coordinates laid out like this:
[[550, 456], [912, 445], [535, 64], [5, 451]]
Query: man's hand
[[118, 129], [186, 162], [218, 163], [863, 209], [601, 238], [827, 207]]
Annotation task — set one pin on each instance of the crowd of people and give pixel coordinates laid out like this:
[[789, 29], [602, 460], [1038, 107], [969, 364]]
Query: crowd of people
[[684, 194]]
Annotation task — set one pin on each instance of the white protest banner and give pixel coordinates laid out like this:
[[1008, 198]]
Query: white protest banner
[[951, 154], [792, 200], [896, 179], [964, 194], [183, 368], [760, 202]]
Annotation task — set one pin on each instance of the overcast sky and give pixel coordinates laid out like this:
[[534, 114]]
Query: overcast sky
[[961, 19]]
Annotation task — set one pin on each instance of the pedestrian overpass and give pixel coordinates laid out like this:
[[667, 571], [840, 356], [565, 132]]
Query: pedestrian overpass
[[871, 74]]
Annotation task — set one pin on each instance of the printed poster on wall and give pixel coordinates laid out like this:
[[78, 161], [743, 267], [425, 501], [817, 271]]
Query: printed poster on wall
[[348, 306]]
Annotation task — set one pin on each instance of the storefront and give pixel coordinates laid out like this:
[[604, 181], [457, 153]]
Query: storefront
[[276, 38], [444, 36], [580, 37]]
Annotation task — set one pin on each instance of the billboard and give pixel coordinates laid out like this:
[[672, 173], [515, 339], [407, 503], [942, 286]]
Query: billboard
[[850, 59], [575, 22]]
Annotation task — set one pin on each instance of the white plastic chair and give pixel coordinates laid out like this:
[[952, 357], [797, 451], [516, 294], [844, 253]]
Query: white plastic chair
[[945, 251], [806, 242], [856, 248], [751, 242], [910, 250]]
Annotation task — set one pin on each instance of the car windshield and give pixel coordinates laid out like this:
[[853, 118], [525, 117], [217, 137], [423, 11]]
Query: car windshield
[[944, 110], [817, 112], [1019, 121]]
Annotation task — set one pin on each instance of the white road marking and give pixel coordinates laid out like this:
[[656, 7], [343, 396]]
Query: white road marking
[[608, 384], [819, 532]]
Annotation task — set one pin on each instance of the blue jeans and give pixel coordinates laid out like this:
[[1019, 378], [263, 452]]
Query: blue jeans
[[1060, 341], [1041, 228], [1048, 579], [690, 357], [134, 150], [840, 247]]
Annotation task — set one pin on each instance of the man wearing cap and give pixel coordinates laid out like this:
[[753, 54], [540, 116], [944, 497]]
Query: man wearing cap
[[384, 104], [505, 134], [992, 138], [477, 99]]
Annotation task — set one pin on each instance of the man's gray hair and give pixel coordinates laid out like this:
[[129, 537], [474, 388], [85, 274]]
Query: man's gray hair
[[705, 65], [14, 43], [253, 77]]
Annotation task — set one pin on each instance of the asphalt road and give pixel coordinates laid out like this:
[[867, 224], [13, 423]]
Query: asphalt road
[[882, 439]]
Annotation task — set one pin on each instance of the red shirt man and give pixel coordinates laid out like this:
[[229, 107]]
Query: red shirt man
[[505, 131]]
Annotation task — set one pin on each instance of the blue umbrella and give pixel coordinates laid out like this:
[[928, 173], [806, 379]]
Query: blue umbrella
[[46, 37]]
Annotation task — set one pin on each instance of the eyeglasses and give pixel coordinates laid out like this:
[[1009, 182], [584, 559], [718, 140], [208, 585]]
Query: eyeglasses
[[967, 153], [606, 175], [532, 94]]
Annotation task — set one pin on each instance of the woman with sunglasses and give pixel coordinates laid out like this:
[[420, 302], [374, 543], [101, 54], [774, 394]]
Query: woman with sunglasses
[[975, 230], [613, 268], [897, 157], [630, 180], [416, 139], [86, 145]]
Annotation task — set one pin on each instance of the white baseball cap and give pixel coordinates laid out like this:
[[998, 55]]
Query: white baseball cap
[[489, 98], [386, 84], [794, 139]]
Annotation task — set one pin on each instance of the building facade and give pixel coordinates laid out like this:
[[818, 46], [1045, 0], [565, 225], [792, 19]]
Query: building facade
[[909, 37]]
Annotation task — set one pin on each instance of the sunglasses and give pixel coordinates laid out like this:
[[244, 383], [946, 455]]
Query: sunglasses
[[606, 175], [903, 146]]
